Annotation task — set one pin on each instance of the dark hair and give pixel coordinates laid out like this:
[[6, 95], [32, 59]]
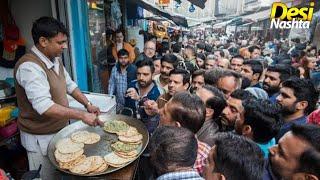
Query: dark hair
[[146, 62], [303, 90], [190, 112], [184, 73], [284, 70], [123, 52], [171, 59], [192, 48], [253, 47], [158, 57], [176, 48], [242, 94], [172, 147], [47, 27], [310, 162], [199, 72], [237, 57], [308, 132], [212, 76], [255, 65], [216, 102], [201, 56], [263, 118], [201, 45], [237, 157], [119, 31]]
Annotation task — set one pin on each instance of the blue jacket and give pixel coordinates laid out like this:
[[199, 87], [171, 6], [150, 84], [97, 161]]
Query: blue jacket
[[153, 94]]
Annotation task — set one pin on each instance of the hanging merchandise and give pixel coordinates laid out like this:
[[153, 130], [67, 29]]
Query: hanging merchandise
[[13, 46], [192, 8], [115, 15]]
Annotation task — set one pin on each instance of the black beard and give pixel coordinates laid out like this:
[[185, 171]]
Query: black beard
[[271, 90], [286, 111]]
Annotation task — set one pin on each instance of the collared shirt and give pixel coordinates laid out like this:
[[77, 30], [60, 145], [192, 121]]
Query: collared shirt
[[202, 154], [118, 86], [286, 126], [34, 81], [181, 175]]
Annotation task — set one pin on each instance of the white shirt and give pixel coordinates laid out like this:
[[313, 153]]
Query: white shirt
[[33, 79]]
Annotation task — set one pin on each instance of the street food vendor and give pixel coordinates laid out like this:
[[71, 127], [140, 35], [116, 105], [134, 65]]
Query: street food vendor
[[42, 84]]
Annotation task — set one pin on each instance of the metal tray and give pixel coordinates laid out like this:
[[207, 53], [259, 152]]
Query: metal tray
[[103, 146]]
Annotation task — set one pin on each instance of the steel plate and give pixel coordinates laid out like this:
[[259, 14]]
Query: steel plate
[[101, 148]]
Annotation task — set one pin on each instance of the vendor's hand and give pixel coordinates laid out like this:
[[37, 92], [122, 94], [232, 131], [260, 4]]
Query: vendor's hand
[[133, 94], [93, 109], [90, 119], [151, 107]]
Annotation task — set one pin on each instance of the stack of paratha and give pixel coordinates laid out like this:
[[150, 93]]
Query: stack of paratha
[[69, 154], [126, 149]]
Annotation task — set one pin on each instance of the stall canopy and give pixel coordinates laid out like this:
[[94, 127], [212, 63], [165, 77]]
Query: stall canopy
[[177, 19], [258, 16]]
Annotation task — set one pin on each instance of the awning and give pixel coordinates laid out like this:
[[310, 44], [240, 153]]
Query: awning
[[258, 16], [178, 20], [221, 24]]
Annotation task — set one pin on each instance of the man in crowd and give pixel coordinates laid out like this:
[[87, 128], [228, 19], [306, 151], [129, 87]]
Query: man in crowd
[[309, 166], [275, 75], [231, 113], [141, 90], [42, 85], [297, 98], [226, 81], [223, 63], [236, 63], [188, 111], [214, 101], [168, 63], [120, 44], [255, 52], [149, 51], [176, 50], [219, 54], [234, 157], [287, 158], [260, 122], [252, 70], [210, 62], [173, 152], [121, 75], [197, 80], [179, 81], [190, 60]]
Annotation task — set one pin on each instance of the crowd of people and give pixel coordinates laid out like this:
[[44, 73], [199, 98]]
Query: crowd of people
[[240, 108]]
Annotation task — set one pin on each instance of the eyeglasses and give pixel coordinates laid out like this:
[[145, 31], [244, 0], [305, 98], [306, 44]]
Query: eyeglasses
[[147, 48]]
